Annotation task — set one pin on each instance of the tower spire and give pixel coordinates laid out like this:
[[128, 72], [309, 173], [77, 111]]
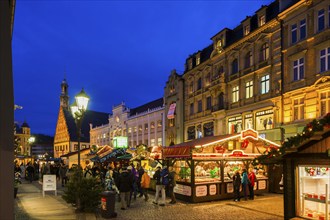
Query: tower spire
[[64, 97]]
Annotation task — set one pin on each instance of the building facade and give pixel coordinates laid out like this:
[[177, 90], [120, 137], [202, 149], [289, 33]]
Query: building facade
[[22, 137], [141, 125]]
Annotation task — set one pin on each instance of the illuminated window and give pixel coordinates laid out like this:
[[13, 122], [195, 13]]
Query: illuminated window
[[135, 129], [325, 103], [320, 20], [152, 142], [262, 20], [235, 94], [191, 87], [264, 52], [152, 125], [246, 29], [265, 84], [325, 60], [129, 130], [298, 69], [159, 123], [171, 122], [146, 127], [159, 141], [249, 89], [198, 60], [298, 109]]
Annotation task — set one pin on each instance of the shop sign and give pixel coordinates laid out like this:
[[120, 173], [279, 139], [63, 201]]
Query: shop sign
[[201, 191], [249, 133], [182, 189], [170, 114], [206, 156], [237, 153], [262, 184], [230, 188], [213, 189], [120, 142]]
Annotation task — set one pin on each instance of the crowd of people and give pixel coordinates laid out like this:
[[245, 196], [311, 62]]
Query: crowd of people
[[131, 182], [246, 181]]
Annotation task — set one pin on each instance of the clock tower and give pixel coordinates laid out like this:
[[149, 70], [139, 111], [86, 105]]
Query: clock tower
[[64, 98]]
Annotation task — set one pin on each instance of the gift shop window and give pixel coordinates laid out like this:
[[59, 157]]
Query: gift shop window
[[207, 172], [264, 120], [235, 125], [182, 168], [314, 182]]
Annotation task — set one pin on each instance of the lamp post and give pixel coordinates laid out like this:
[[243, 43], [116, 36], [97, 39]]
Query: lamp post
[[78, 109]]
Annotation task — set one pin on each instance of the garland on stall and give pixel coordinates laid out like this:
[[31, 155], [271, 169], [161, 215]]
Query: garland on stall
[[275, 153]]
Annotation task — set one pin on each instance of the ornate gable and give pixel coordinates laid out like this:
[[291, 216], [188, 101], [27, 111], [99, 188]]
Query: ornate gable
[[61, 133]]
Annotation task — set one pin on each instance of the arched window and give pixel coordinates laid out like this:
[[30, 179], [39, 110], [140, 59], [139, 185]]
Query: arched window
[[264, 52], [248, 60], [234, 66]]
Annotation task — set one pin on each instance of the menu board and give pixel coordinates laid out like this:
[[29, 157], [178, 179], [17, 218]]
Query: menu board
[[182, 189], [201, 191], [213, 189]]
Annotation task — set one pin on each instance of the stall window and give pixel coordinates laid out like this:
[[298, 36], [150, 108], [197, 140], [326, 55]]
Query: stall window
[[183, 170], [207, 172], [311, 193]]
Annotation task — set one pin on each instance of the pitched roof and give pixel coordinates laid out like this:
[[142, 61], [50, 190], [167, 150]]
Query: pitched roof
[[91, 117], [150, 105]]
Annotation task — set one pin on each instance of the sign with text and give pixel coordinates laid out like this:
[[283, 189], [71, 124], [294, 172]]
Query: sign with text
[[201, 191], [49, 184], [182, 189], [120, 142], [249, 133], [213, 189]]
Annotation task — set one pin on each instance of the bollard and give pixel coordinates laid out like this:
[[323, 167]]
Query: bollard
[[108, 199]]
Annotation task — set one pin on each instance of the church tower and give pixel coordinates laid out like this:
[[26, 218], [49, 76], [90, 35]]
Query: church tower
[[64, 98]]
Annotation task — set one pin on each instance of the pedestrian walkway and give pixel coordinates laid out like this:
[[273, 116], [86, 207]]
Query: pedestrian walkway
[[31, 205]]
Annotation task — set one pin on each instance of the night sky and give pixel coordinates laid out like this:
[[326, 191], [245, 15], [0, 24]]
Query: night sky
[[116, 50]]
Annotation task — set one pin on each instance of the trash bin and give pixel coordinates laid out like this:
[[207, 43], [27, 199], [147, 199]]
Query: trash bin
[[108, 199]]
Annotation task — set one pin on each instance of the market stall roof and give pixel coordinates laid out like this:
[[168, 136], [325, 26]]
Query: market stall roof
[[183, 150], [113, 155], [73, 153]]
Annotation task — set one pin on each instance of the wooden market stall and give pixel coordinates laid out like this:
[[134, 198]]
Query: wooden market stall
[[205, 166]]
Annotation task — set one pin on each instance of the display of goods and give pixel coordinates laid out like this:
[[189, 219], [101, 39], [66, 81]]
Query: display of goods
[[322, 196], [315, 196], [310, 195]]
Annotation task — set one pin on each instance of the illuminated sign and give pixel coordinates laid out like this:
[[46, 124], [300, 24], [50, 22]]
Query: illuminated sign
[[120, 142], [249, 133]]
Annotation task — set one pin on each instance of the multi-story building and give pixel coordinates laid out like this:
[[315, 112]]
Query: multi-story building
[[22, 137], [66, 138], [174, 109], [235, 83], [141, 125], [306, 63]]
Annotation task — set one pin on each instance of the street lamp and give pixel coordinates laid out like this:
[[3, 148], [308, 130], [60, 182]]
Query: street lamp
[[78, 109]]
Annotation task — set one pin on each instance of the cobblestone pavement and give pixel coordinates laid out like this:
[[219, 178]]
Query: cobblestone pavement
[[31, 205]]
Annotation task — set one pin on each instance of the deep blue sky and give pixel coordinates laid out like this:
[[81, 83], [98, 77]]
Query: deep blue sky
[[117, 50]]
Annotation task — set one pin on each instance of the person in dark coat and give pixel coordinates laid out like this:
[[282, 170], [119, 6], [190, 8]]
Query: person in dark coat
[[141, 172], [172, 184], [237, 185], [125, 182], [30, 172]]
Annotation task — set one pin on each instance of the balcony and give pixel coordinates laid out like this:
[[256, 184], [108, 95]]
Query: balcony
[[233, 76]]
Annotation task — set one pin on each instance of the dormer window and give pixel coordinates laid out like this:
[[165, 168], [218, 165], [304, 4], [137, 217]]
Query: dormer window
[[262, 20], [198, 60], [246, 29], [190, 64], [219, 43]]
